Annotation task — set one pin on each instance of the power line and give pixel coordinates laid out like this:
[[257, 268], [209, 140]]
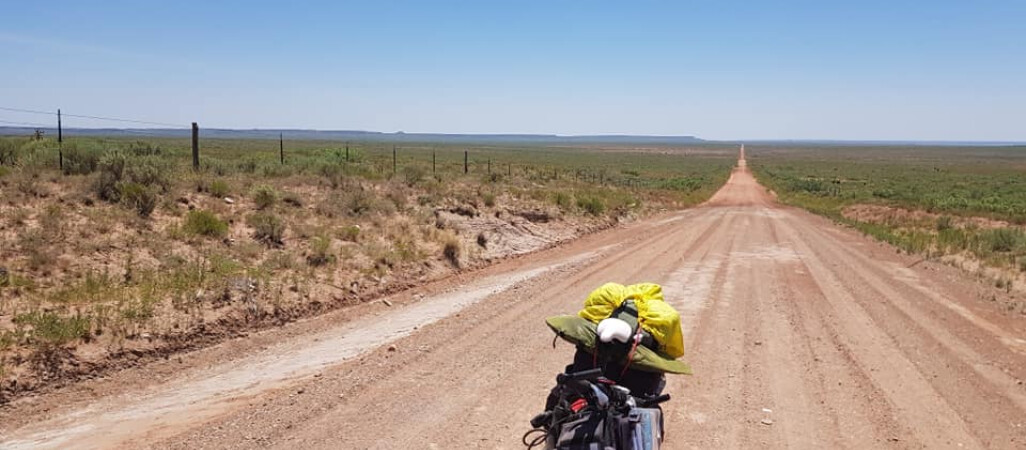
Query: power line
[[83, 116], [28, 124], [144, 122]]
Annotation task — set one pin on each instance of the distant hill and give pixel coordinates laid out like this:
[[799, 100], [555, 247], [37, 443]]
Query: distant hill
[[354, 135]]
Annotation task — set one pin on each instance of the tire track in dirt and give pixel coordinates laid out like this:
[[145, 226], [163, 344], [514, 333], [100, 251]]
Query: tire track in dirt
[[928, 416], [478, 391], [983, 394]]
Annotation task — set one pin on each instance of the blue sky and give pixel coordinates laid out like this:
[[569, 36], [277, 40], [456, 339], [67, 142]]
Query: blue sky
[[917, 70]]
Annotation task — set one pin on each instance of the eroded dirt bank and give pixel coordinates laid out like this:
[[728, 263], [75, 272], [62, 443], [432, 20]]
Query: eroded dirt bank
[[802, 335]]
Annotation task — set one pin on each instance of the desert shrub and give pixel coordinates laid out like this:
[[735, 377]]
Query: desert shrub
[[4, 171], [489, 199], [413, 175], [563, 200], [382, 256], [142, 199], [359, 202], [218, 188], [140, 148], [79, 160], [350, 233], [944, 223], [112, 171], [248, 165], [8, 152], [51, 222], [320, 251], [1002, 239], [204, 223], [267, 227], [116, 167], [397, 197], [810, 186], [292, 199], [451, 250], [591, 205], [406, 250], [482, 240], [150, 171], [38, 251], [50, 329], [334, 174], [683, 184], [1022, 264], [264, 196], [331, 207]]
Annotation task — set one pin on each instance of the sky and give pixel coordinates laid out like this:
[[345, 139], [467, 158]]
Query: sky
[[730, 70]]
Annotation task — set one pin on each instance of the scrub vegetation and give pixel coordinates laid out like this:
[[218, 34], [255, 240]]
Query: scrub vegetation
[[126, 253], [966, 205]]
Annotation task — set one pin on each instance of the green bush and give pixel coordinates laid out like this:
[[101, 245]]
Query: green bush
[[204, 223], [116, 168], [112, 171], [264, 196], [489, 199], [267, 227], [80, 161], [350, 233], [140, 198], [591, 205], [684, 184], [320, 251], [563, 200], [8, 152], [150, 171], [140, 148], [50, 329], [1002, 239], [219, 188]]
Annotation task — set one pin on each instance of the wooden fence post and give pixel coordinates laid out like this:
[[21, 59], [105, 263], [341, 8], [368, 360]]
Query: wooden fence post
[[60, 142], [393, 160], [281, 147], [432, 162], [466, 167], [195, 146]]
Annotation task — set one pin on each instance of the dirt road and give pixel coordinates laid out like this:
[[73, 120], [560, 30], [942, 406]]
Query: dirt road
[[801, 334]]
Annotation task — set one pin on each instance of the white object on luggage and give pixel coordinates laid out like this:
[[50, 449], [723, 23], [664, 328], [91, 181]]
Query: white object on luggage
[[609, 329]]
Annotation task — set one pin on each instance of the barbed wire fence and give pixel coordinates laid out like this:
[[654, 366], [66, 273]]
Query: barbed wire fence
[[167, 129]]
